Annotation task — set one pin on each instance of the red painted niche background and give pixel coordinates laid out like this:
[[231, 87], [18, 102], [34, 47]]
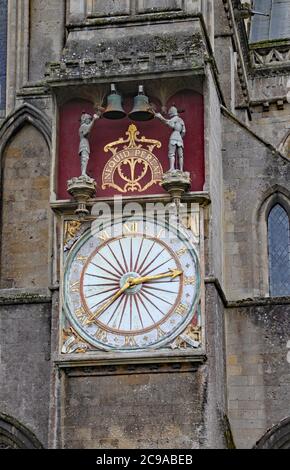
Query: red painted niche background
[[106, 131]]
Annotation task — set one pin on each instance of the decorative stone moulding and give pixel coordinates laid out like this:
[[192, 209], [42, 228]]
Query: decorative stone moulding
[[82, 189], [77, 70], [176, 183], [128, 55], [270, 56]]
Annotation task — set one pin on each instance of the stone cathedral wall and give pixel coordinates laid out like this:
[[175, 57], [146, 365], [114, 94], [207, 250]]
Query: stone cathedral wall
[[239, 386]]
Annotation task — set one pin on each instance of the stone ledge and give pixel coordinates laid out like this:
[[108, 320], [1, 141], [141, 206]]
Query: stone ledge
[[68, 206], [131, 369], [270, 44], [24, 296], [118, 359], [109, 70], [250, 302], [34, 90], [128, 20], [258, 301]]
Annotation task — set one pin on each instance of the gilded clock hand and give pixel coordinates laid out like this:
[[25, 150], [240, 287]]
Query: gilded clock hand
[[173, 273], [108, 303]]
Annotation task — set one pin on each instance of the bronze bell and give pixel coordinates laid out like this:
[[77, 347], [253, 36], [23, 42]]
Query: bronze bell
[[114, 109], [141, 110]]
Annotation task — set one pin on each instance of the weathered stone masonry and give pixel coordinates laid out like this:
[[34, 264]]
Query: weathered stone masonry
[[237, 392]]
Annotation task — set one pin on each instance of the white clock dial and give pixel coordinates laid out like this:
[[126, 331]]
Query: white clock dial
[[132, 291], [141, 307]]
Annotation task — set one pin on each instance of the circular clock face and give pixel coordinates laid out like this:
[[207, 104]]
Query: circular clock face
[[131, 286]]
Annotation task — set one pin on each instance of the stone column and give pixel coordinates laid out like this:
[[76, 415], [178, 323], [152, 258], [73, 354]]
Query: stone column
[[17, 49]]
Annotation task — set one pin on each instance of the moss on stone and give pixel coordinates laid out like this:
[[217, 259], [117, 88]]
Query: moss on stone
[[268, 44]]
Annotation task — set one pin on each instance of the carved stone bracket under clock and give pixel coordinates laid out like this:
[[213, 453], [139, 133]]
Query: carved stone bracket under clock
[[176, 183], [82, 189]]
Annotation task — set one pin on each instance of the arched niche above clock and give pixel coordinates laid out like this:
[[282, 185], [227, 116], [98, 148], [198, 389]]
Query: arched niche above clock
[[105, 131]]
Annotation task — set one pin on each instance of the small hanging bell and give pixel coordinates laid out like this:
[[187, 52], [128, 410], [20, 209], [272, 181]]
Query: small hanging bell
[[141, 110], [114, 109]]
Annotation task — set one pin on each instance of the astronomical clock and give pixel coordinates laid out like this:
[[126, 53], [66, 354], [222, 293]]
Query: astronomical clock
[[131, 243]]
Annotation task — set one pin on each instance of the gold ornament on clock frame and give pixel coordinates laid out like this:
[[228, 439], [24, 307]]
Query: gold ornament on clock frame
[[133, 290]]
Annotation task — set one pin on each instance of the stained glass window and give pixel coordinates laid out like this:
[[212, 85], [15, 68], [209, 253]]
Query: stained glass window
[[279, 251], [274, 26]]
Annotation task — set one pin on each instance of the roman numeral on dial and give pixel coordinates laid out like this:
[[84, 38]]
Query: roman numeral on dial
[[75, 287], [130, 228], [189, 281], [101, 335], [104, 236], [181, 309], [130, 342], [181, 252]]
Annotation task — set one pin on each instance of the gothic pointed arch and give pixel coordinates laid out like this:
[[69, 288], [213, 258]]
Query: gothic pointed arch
[[276, 195], [278, 437], [25, 114], [25, 141], [14, 435]]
